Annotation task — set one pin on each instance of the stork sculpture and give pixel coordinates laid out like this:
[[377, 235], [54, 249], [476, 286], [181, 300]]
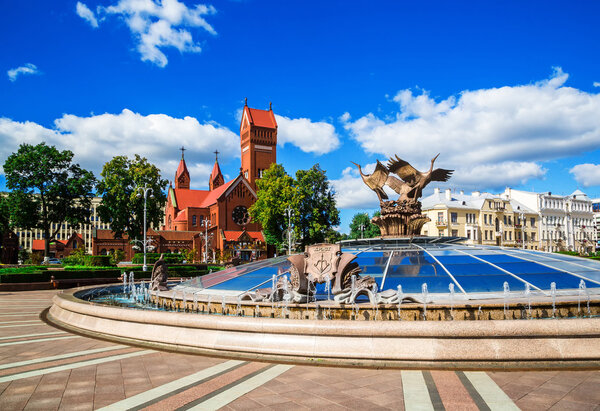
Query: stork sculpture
[[402, 217], [416, 179], [376, 180]]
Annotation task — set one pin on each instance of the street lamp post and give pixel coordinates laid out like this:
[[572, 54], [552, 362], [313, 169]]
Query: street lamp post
[[206, 224], [289, 212], [362, 230], [144, 191]]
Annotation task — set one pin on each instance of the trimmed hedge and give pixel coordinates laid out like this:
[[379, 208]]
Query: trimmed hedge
[[44, 276], [33, 277], [97, 260], [22, 270], [151, 258]]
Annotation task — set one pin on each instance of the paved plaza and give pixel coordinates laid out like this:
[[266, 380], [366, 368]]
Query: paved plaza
[[43, 368]]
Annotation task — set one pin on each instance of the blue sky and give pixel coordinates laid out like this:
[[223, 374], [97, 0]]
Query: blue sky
[[507, 92]]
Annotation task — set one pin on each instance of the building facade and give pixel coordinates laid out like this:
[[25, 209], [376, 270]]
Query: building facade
[[596, 213], [220, 214], [27, 238], [566, 222], [482, 218]]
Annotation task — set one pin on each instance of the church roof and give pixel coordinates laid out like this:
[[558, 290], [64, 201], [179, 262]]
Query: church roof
[[182, 215], [181, 169], [235, 235], [262, 118], [189, 198], [216, 171], [214, 195]]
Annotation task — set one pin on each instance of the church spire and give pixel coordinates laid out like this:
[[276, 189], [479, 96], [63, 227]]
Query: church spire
[[182, 175], [216, 177]]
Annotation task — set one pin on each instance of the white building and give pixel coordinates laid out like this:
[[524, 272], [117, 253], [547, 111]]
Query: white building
[[482, 218], [26, 237], [596, 210], [566, 222]]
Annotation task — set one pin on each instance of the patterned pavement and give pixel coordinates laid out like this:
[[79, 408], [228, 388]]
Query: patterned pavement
[[43, 368]]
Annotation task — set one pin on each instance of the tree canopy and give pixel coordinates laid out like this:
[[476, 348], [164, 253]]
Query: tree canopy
[[308, 195], [370, 230], [121, 205], [47, 190]]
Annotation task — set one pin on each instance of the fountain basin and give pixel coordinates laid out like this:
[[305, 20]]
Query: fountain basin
[[517, 344]]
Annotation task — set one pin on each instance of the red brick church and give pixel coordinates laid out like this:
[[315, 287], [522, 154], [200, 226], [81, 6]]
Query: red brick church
[[219, 213], [222, 210]]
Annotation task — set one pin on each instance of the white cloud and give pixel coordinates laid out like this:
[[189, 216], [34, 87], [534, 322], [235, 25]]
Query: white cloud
[[28, 68], [97, 139], [586, 174], [310, 137], [596, 83], [492, 137], [156, 24], [85, 13]]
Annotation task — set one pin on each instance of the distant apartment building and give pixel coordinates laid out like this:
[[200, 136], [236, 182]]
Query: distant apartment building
[[596, 211], [27, 238], [482, 218], [566, 222]]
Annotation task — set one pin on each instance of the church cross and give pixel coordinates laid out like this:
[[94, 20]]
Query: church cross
[[216, 155], [182, 150]]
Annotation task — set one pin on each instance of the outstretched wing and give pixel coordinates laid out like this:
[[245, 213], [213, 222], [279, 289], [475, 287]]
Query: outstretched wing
[[379, 176], [440, 174], [403, 169], [396, 184]]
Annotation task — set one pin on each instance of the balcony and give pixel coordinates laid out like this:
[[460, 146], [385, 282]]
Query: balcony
[[441, 223], [518, 226]]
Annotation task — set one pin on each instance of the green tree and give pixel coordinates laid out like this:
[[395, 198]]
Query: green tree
[[370, 229], [308, 195], [121, 204], [317, 212], [276, 192], [47, 190]]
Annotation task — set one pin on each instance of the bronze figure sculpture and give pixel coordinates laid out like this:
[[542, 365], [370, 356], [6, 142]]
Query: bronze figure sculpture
[[417, 179], [160, 275], [401, 217], [377, 180]]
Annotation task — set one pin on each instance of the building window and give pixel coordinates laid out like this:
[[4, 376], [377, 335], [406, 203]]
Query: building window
[[194, 220], [505, 222], [510, 235], [509, 220], [454, 233], [454, 218], [533, 221], [469, 234], [486, 235], [485, 219]]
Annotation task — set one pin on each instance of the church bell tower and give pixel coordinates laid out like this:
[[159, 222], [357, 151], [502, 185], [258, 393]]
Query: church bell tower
[[258, 139]]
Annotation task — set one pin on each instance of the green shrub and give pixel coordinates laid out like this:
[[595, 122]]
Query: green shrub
[[151, 258], [22, 270], [86, 268], [97, 261], [117, 256], [32, 277]]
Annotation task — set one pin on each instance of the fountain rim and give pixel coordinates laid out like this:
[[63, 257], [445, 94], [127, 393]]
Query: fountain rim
[[506, 344]]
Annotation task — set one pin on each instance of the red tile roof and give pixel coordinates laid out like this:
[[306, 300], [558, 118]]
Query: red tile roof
[[190, 198], [214, 195], [262, 118], [182, 215], [171, 235], [235, 235], [38, 245]]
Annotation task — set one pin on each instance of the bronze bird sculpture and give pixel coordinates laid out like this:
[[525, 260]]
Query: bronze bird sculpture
[[376, 180], [417, 180]]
